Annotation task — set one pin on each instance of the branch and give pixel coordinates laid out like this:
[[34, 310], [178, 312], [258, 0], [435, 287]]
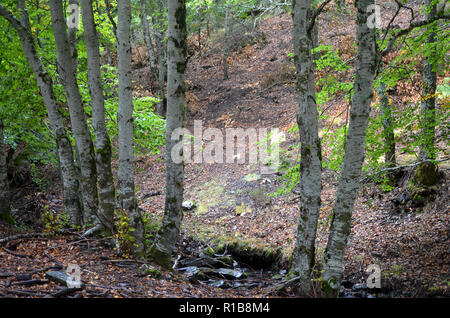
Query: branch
[[316, 13], [412, 26]]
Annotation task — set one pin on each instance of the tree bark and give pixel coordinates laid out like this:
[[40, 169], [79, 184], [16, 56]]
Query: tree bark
[[126, 195], [5, 207], [354, 154], [177, 53], [225, 45], [148, 40], [68, 171], [84, 145], [106, 189], [427, 151], [303, 256]]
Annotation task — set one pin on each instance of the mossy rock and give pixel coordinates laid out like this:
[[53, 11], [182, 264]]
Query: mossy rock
[[254, 256]]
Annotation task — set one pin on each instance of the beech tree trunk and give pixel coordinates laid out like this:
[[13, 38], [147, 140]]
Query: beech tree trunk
[[354, 154], [84, 145], [106, 189], [177, 53], [126, 195], [68, 171], [303, 256], [5, 207], [225, 45], [428, 104]]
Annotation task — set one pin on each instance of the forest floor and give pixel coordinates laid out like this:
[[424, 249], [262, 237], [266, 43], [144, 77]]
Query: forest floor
[[233, 201]]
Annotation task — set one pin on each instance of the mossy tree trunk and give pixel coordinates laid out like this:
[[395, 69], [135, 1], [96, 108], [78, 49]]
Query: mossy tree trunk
[[83, 140], [126, 192], [333, 262], [429, 78], [106, 189], [173, 214], [303, 257]]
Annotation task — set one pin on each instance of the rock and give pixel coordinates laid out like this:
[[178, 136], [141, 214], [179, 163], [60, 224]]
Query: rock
[[359, 287], [188, 205], [231, 273], [64, 279]]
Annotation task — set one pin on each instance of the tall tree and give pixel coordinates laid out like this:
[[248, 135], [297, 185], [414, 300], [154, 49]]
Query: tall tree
[[177, 58], [354, 153], [84, 145], [72, 203], [303, 257], [429, 75], [5, 207], [106, 189], [126, 194]]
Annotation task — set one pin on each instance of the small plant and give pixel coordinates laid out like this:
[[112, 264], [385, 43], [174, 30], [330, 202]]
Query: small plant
[[124, 238], [53, 222], [38, 177]]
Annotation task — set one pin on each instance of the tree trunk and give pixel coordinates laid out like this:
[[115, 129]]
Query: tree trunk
[[427, 150], [73, 28], [311, 158], [84, 145], [177, 53], [151, 50], [354, 154], [5, 207], [126, 195], [106, 190], [388, 128], [68, 171], [225, 45]]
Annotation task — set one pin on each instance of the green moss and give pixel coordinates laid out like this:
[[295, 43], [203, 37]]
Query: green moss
[[159, 257]]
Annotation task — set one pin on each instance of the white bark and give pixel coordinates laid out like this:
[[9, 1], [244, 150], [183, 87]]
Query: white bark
[[311, 159], [84, 145], [126, 195], [354, 155], [176, 64], [106, 189], [69, 178]]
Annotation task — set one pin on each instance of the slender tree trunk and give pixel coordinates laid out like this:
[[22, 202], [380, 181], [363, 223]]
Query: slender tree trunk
[[177, 53], [73, 40], [85, 148], [225, 45], [311, 159], [333, 265], [5, 207], [126, 195], [148, 40], [159, 33], [69, 177], [388, 128], [428, 105], [106, 190]]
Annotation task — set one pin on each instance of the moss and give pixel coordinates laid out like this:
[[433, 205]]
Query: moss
[[425, 174], [160, 257]]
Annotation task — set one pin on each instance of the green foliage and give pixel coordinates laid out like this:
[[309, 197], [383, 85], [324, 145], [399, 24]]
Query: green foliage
[[149, 128], [124, 234], [53, 222]]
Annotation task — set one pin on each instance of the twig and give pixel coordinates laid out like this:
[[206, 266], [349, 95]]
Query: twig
[[16, 254], [20, 236], [66, 291], [31, 282]]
